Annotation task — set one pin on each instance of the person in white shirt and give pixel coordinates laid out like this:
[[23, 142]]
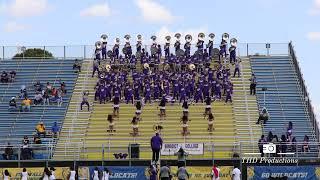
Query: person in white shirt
[[72, 174], [6, 175], [215, 173], [95, 175], [24, 174], [53, 177], [105, 174], [236, 174]]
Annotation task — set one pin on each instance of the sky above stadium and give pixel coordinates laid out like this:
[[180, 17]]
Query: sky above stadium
[[69, 22]]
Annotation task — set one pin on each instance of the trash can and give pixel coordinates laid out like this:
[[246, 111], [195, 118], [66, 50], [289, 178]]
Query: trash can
[[134, 151]]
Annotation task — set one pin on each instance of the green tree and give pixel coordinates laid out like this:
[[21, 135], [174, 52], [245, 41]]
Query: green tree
[[34, 53]]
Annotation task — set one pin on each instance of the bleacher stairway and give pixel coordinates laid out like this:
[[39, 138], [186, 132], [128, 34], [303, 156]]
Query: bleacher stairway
[[284, 99]]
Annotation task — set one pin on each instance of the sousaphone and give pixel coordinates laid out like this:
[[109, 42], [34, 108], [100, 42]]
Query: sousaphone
[[154, 48], [201, 36], [104, 38], [211, 36], [234, 42], [178, 36], [98, 45], [188, 38], [225, 36], [168, 39]]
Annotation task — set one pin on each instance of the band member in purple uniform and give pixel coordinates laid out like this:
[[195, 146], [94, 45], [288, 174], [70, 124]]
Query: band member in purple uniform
[[176, 89], [102, 94], [167, 47], [147, 93], [129, 94], [218, 91], [236, 68], [104, 50], [228, 95], [182, 94], [198, 95], [97, 54], [95, 67], [115, 49], [233, 55]]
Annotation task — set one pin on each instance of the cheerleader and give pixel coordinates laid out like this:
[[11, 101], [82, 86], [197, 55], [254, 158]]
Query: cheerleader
[[6, 175], [185, 108], [111, 124], [52, 170], [162, 107], [116, 106], [95, 175], [24, 174], [210, 122], [207, 109], [105, 174], [135, 126], [72, 174], [157, 128], [185, 125], [138, 109]]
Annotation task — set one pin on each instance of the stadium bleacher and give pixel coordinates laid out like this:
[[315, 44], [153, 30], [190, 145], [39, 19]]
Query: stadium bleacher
[[283, 97], [15, 125]]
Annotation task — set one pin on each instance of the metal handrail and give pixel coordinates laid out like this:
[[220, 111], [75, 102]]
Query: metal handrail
[[304, 91]]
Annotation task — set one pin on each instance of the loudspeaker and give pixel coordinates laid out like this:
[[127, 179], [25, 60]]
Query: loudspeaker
[[134, 151]]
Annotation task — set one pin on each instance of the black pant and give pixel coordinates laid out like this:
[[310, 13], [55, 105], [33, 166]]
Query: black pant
[[261, 151], [253, 89], [155, 154], [86, 103]]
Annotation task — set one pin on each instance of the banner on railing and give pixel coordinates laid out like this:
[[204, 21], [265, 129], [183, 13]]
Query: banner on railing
[[36, 172], [289, 172], [200, 172], [117, 172], [190, 148]]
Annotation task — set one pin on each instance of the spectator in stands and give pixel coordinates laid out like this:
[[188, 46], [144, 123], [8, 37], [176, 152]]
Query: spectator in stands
[[38, 98], [26, 104], [49, 88], [111, 123], [59, 98], [12, 76], [182, 173], [4, 77], [263, 116], [152, 172], [13, 104], [46, 97], [38, 86], [135, 126], [253, 84], [283, 144], [116, 106], [182, 155], [293, 144], [275, 141], [215, 173], [237, 69], [62, 87], [77, 65], [289, 130], [165, 173], [8, 152], [23, 92], [85, 97], [270, 136], [24, 174], [41, 129], [6, 175], [25, 141], [305, 146], [185, 125], [156, 146], [210, 122], [236, 173], [55, 130], [95, 67], [36, 139], [261, 142]]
